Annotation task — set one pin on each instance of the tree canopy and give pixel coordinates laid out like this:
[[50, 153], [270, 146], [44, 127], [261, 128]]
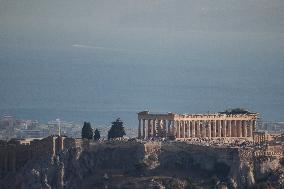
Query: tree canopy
[[87, 131], [236, 111], [97, 135], [116, 130]]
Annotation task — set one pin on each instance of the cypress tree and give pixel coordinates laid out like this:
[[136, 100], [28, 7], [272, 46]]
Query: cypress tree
[[97, 135], [116, 130], [87, 131]]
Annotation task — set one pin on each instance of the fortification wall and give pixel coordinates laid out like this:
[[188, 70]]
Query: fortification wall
[[14, 155]]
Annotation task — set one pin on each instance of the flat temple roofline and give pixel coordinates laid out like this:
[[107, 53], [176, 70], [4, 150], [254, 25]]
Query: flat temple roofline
[[172, 116]]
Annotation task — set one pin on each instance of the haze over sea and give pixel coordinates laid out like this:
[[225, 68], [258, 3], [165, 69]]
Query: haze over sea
[[99, 60]]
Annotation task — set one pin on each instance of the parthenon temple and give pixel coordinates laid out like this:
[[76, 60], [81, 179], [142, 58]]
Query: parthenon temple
[[188, 126]]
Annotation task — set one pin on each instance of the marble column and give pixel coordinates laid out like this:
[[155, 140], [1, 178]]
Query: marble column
[[139, 128], [229, 128], [181, 129], [232, 128], [247, 126], [183, 125], [164, 128], [150, 122], [146, 129], [250, 128], [204, 131], [244, 125], [239, 128], [178, 129], [173, 125], [184, 129], [219, 127], [224, 127], [198, 129], [209, 129], [143, 131], [188, 131], [154, 128], [214, 128], [149, 128], [235, 128], [193, 129], [253, 125], [201, 128]]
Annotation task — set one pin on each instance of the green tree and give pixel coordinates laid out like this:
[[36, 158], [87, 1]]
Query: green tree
[[116, 130], [97, 135], [87, 131]]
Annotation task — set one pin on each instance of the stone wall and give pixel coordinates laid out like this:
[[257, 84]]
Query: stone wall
[[14, 155]]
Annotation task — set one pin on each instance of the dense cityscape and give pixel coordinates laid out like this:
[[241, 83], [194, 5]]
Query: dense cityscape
[[13, 128]]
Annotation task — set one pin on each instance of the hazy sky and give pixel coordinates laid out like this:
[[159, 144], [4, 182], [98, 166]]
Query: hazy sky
[[172, 47], [140, 24]]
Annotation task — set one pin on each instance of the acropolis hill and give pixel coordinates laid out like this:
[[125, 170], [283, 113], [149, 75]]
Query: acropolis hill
[[60, 162], [220, 150]]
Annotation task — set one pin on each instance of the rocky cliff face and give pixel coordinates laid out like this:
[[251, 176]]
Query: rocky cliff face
[[147, 165]]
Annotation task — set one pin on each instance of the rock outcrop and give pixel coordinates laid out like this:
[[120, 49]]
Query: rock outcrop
[[146, 165]]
